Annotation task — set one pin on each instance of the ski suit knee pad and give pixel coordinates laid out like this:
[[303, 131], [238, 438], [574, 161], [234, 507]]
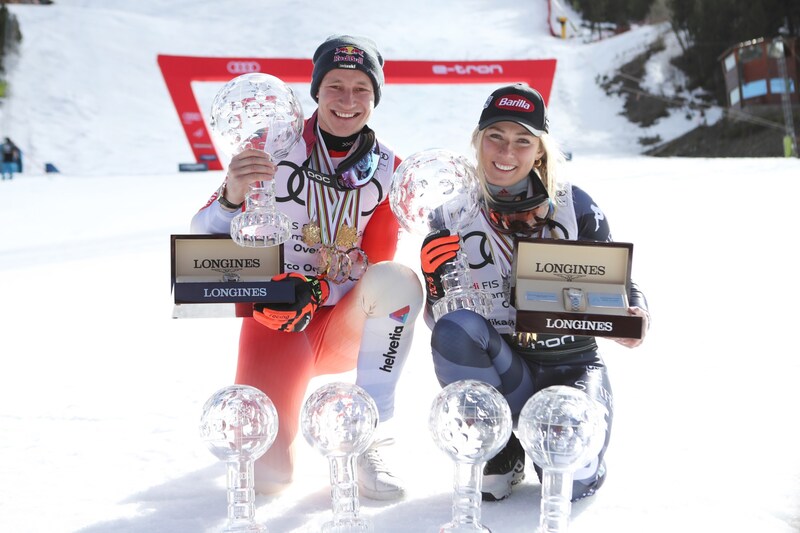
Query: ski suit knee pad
[[388, 286]]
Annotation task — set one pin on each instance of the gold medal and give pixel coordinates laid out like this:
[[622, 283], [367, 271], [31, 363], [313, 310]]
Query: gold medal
[[311, 234], [346, 236]]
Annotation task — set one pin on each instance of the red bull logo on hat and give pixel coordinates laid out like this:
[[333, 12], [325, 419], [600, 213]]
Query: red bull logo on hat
[[514, 103], [349, 50], [348, 54]]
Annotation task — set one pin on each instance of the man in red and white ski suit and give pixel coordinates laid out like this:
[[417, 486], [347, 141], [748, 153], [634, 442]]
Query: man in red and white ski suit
[[333, 326]]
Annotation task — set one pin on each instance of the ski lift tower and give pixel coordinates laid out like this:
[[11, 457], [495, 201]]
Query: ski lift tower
[[776, 51]]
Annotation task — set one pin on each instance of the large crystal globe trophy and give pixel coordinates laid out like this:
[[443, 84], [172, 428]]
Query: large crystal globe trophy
[[261, 112], [470, 421], [338, 420], [437, 189], [562, 429], [239, 423]]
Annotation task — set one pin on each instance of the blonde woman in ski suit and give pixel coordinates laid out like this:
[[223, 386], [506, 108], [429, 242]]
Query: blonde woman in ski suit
[[517, 163]]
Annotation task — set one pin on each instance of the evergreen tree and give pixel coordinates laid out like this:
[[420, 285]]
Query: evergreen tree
[[619, 12]]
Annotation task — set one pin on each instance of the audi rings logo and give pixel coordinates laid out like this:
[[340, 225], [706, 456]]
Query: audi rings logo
[[243, 67]]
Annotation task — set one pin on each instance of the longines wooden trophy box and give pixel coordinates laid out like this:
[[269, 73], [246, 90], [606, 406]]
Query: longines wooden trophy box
[[212, 276], [573, 288]]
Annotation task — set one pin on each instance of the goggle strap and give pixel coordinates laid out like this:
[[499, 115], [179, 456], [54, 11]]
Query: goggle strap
[[366, 143]]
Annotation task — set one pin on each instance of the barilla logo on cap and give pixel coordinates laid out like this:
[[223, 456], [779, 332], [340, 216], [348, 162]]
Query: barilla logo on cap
[[514, 103]]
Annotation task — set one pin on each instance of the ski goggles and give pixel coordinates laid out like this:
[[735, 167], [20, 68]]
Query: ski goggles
[[356, 174], [359, 167], [519, 217]]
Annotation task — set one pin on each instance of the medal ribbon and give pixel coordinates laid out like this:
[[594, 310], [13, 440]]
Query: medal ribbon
[[332, 210]]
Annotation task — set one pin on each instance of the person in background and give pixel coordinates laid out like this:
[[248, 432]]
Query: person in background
[[11, 159], [517, 165], [334, 187]]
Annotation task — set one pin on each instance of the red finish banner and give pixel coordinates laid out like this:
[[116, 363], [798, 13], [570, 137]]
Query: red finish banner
[[180, 71]]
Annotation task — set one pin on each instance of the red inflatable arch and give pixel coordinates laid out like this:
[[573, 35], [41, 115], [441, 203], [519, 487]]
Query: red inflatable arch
[[180, 71]]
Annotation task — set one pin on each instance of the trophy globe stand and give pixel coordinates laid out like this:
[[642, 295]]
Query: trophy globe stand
[[561, 429], [261, 112], [239, 423], [439, 189], [470, 421], [338, 420]]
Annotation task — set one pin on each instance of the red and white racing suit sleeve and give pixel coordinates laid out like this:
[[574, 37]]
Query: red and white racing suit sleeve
[[212, 218]]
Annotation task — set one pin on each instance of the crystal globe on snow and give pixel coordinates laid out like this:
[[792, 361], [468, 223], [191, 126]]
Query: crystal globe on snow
[[471, 422], [437, 189], [258, 111], [562, 429], [239, 423], [338, 420]]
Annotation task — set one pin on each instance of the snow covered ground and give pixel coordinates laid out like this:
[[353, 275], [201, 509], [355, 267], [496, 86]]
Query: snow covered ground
[[101, 391]]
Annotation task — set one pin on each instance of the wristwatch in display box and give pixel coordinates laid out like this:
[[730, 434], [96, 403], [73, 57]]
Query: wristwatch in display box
[[565, 287]]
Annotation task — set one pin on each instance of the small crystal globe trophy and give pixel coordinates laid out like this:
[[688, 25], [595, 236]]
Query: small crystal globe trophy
[[239, 423], [471, 422], [438, 189], [261, 112], [562, 429], [338, 420]]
